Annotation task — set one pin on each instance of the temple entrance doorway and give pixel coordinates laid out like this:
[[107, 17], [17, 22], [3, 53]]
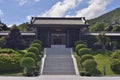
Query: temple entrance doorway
[[58, 39]]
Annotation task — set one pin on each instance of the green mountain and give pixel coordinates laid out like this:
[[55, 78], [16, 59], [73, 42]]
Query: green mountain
[[109, 17]]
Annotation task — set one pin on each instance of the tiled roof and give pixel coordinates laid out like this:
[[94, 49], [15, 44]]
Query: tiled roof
[[64, 21]]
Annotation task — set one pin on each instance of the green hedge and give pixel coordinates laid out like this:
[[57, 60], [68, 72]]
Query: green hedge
[[83, 51], [79, 46], [10, 62], [32, 55], [7, 50], [79, 42], [85, 57], [37, 45], [34, 50]]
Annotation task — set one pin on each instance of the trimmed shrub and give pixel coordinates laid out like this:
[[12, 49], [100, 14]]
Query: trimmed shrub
[[85, 57], [116, 55], [79, 46], [10, 62], [21, 52], [37, 45], [79, 42], [37, 41], [34, 50], [90, 65], [30, 54], [7, 50], [115, 65], [84, 51], [28, 64]]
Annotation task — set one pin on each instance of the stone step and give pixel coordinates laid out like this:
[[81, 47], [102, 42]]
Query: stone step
[[58, 61]]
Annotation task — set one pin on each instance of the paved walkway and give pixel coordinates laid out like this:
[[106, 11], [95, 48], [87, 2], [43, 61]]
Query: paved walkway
[[59, 77], [58, 61]]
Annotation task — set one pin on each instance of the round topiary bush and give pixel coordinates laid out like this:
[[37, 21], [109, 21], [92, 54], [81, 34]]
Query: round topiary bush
[[115, 65], [89, 65], [37, 45], [116, 54], [28, 64], [79, 42], [31, 54], [84, 51], [85, 57], [37, 41], [79, 46], [34, 50]]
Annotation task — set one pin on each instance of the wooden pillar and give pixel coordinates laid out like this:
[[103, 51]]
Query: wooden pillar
[[36, 32], [67, 38], [49, 42], [79, 34]]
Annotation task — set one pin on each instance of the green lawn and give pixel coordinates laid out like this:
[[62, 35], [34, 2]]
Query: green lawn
[[103, 60]]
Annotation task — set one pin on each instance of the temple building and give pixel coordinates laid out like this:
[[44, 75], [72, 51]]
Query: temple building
[[58, 31]]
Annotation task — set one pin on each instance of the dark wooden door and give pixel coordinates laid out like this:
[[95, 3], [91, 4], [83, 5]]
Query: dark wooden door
[[57, 40]]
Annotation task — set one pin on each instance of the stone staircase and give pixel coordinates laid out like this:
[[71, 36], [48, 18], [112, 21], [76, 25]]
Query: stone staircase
[[58, 61]]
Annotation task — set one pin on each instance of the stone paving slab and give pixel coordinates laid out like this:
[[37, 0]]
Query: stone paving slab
[[59, 77]]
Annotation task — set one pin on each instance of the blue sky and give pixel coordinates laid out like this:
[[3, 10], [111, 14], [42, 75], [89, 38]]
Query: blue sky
[[19, 11]]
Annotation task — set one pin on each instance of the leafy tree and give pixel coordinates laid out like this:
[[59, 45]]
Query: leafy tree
[[99, 26], [14, 39], [3, 27], [2, 42], [103, 40], [116, 29], [22, 27], [91, 40]]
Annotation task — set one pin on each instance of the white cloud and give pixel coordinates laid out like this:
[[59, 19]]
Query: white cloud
[[60, 8], [37, 0], [94, 9], [23, 2], [29, 17], [10, 25], [1, 13]]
